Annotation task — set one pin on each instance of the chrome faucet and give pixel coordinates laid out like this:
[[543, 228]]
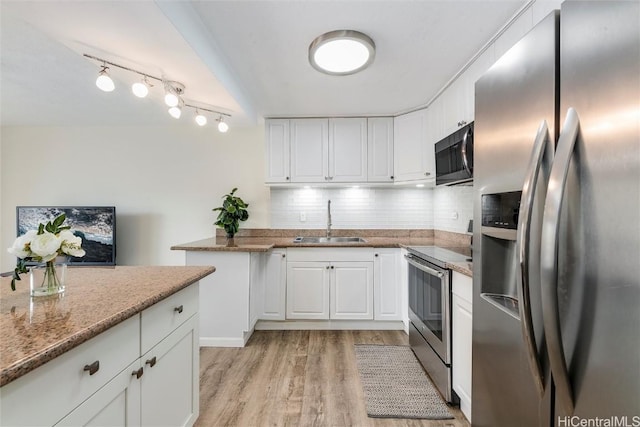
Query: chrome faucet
[[329, 218]]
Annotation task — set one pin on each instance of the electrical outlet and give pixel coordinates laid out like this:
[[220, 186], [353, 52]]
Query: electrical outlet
[[303, 216], [454, 215]]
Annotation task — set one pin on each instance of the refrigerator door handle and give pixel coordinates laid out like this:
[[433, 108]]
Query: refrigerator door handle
[[465, 158], [549, 259], [541, 148]]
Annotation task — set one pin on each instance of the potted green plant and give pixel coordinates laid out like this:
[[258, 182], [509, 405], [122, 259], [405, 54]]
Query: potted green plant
[[232, 211]]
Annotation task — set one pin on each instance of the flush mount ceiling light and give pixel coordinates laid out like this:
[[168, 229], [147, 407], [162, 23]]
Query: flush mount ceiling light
[[341, 52], [173, 92], [104, 81]]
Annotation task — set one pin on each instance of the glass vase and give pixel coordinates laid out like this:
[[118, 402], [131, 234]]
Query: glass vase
[[48, 278]]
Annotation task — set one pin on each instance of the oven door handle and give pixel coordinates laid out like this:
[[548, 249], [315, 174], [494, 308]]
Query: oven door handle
[[424, 267]]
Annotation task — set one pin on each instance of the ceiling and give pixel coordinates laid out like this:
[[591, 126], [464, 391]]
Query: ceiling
[[244, 58]]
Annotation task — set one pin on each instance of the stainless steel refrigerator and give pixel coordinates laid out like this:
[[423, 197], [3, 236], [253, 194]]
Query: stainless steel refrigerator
[[556, 306]]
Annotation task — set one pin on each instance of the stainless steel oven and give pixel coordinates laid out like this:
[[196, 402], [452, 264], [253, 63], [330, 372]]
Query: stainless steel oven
[[430, 313]]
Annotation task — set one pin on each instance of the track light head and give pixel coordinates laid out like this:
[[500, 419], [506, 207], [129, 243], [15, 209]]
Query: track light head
[[201, 120], [222, 126], [104, 81], [141, 88], [176, 110], [172, 92]]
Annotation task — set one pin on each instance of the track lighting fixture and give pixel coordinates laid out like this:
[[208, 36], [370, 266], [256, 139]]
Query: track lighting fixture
[[141, 88], [104, 81], [200, 119], [173, 92], [222, 126]]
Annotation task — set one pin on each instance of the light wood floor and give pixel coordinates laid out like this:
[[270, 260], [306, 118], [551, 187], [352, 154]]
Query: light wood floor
[[294, 378]]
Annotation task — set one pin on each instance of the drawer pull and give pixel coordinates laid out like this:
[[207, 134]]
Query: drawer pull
[[138, 372], [93, 368], [151, 362], [179, 309]]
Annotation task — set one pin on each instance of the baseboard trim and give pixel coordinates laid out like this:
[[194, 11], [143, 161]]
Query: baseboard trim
[[221, 342], [273, 325]]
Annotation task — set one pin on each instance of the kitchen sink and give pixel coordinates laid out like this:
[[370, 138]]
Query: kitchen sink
[[329, 240]]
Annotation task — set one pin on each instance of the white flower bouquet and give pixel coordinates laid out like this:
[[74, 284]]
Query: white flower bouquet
[[51, 240]]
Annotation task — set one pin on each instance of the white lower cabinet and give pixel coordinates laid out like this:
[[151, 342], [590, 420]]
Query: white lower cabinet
[[308, 290], [275, 286], [330, 283], [387, 285], [115, 404], [462, 327], [169, 385], [106, 381], [351, 290]]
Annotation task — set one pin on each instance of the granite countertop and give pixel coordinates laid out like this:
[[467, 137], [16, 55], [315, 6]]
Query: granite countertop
[[35, 331], [263, 240]]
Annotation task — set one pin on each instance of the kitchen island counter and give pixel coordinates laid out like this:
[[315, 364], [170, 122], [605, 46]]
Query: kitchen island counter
[[35, 331]]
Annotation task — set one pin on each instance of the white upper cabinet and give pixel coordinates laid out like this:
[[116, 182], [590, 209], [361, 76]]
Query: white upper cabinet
[[380, 149], [309, 150], [413, 154], [277, 151], [347, 150]]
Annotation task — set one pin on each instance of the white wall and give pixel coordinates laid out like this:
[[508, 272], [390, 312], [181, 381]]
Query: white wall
[[163, 180], [453, 208]]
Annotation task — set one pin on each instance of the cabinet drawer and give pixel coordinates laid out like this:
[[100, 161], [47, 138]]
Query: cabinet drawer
[[62, 384], [162, 318]]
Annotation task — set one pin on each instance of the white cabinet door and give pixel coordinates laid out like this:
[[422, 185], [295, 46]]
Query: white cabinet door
[[277, 151], [413, 156], [115, 404], [462, 327], [351, 290], [308, 290], [380, 149], [348, 150], [169, 385], [387, 290], [275, 286], [455, 106], [309, 150]]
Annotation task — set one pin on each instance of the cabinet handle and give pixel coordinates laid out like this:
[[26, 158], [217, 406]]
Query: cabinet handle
[[93, 368], [138, 372], [151, 362], [391, 177], [287, 178], [332, 267], [376, 255], [327, 267], [284, 256], [179, 309], [326, 178], [427, 173]]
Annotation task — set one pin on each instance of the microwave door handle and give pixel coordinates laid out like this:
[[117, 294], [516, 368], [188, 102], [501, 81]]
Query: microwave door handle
[[541, 149], [424, 267], [549, 258], [465, 158]]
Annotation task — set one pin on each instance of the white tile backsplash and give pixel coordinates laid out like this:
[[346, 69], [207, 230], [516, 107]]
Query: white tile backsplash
[[400, 208], [352, 208]]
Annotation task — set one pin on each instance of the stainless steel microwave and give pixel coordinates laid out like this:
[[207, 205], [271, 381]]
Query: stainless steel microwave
[[454, 157]]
